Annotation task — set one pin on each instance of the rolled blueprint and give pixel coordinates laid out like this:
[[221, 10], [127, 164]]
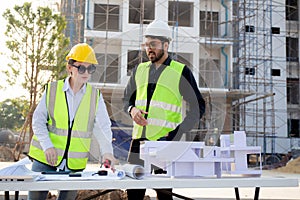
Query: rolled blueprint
[[133, 171]]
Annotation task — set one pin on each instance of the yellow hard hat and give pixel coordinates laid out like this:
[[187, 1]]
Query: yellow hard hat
[[82, 52]]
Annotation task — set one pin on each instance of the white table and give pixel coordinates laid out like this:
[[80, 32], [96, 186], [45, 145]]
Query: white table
[[152, 182]]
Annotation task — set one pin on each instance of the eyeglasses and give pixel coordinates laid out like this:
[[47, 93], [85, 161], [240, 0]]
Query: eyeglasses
[[152, 45], [81, 68]]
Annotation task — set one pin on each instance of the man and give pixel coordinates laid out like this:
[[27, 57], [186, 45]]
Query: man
[[153, 98], [69, 112]]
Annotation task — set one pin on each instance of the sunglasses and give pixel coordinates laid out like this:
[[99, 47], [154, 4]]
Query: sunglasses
[[81, 68], [152, 45]]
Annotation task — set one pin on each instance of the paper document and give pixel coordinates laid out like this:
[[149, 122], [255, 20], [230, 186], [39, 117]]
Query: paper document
[[19, 169], [133, 171]]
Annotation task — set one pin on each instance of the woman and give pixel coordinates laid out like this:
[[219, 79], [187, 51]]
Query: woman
[[69, 112]]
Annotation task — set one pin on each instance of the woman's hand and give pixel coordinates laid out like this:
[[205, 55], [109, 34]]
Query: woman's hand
[[51, 156], [111, 158], [137, 116]]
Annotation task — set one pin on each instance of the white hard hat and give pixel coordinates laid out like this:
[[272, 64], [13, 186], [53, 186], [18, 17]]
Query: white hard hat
[[159, 28]]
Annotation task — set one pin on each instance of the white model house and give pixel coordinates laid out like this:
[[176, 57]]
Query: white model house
[[196, 159]]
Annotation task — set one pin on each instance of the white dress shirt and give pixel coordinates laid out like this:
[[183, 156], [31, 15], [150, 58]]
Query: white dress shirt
[[102, 125]]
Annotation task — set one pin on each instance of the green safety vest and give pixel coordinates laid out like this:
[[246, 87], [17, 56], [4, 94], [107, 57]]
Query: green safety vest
[[165, 107], [79, 136]]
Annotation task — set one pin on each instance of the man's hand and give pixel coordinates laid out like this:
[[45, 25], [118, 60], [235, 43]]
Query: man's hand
[[51, 156], [111, 158], [137, 116]]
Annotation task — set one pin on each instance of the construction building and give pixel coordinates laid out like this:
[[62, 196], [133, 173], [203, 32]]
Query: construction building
[[244, 56]]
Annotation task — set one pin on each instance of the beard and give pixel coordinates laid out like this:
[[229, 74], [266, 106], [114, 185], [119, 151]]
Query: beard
[[153, 57]]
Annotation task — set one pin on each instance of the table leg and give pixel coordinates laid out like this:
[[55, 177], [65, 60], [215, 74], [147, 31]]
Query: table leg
[[256, 195], [6, 195], [16, 195], [237, 194]]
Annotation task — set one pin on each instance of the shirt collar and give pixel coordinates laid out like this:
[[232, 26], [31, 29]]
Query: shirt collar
[[68, 87], [167, 62]]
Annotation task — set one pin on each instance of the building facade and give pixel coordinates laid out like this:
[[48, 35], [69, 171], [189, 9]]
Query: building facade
[[244, 56]]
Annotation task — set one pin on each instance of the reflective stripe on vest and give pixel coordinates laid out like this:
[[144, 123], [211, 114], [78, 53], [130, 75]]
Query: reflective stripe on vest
[[164, 113], [58, 126]]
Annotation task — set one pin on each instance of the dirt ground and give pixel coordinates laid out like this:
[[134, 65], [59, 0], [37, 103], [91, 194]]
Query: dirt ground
[[293, 166], [6, 154]]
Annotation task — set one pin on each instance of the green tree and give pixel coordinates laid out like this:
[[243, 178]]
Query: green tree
[[12, 114], [38, 48]]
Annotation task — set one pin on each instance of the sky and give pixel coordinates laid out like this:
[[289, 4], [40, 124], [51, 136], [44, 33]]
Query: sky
[[10, 91], [16, 90]]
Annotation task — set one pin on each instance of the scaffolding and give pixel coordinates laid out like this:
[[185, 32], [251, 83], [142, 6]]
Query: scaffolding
[[74, 11], [255, 66]]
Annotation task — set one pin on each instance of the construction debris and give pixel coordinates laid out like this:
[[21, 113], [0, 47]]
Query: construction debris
[[293, 166], [6, 154]]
